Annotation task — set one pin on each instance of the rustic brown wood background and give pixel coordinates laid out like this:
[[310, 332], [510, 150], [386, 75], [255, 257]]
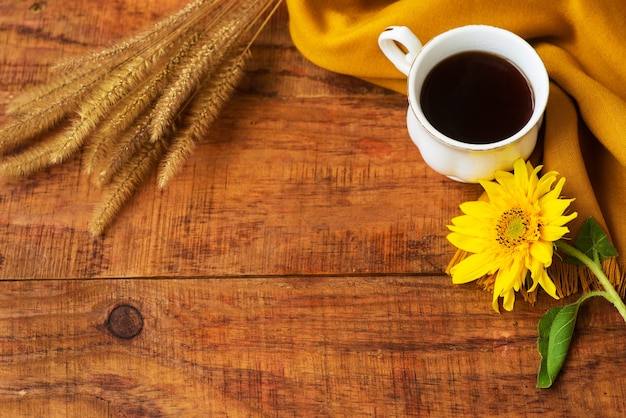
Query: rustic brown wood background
[[293, 268]]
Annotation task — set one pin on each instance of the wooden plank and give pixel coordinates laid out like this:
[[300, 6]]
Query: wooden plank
[[335, 346]]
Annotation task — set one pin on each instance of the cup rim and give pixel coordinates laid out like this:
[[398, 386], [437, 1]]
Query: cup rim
[[540, 100]]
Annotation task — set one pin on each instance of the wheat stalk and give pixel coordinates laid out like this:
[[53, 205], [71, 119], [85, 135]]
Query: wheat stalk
[[124, 150], [202, 111], [31, 159], [61, 87], [20, 132], [130, 109], [203, 59], [142, 103], [124, 184], [183, 18], [99, 102]]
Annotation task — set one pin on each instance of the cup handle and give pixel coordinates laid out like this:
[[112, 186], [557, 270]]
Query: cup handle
[[390, 41]]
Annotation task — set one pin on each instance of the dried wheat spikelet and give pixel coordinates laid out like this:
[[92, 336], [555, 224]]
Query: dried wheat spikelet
[[183, 20], [203, 109], [201, 62], [125, 147], [139, 105], [128, 110], [125, 181]]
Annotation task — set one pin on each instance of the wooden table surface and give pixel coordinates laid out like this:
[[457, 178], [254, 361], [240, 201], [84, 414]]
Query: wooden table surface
[[294, 267]]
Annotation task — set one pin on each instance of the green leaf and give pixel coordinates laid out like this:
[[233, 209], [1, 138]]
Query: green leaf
[[556, 328], [593, 240]]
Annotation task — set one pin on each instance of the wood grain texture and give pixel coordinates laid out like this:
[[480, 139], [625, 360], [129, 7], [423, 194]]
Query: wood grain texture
[[357, 347], [294, 267]]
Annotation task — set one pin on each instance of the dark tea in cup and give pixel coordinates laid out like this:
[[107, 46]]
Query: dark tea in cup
[[477, 97]]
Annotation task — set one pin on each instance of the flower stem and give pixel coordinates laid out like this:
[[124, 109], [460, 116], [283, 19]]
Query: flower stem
[[594, 265]]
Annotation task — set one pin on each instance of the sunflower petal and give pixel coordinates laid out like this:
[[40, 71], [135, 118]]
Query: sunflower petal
[[562, 220], [554, 193], [472, 268], [542, 251], [466, 242], [553, 209], [478, 209], [511, 276], [505, 179], [552, 232], [540, 276], [467, 221], [473, 229], [506, 282], [545, 184], [520, 171], [495, 302], [509, 300]]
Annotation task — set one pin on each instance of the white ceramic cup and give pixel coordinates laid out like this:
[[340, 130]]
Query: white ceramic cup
[[462, 161]]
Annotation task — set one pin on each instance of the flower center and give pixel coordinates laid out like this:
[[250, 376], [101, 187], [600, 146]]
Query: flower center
[[514, 228]]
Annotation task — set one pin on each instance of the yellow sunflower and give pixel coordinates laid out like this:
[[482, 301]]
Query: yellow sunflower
[[512, 232]]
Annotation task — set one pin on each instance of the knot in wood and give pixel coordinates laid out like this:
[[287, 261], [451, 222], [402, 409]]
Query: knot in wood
[[125, 322]]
